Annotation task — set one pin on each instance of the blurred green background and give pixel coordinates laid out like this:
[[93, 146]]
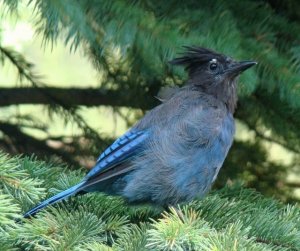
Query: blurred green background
[[121, 49]]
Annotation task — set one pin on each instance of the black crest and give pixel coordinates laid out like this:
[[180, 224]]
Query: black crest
[[194, 57]]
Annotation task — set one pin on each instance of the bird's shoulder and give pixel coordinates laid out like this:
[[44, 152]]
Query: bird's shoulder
[[191, 100], [184, 105], [167, 92]]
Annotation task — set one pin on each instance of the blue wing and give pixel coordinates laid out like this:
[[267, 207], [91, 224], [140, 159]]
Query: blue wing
[[123, 148], [107, 166]]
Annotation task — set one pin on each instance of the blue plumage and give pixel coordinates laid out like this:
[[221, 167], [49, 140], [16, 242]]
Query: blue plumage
[[56, 198], [175, 152], [119, 150]]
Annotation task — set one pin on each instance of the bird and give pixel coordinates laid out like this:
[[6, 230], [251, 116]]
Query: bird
[[174, 153]]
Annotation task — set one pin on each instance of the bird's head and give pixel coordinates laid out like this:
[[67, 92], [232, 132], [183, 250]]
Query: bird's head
[[213, 73]]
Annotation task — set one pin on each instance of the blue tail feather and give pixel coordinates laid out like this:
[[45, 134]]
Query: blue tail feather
[[108, 166], [56, 198]]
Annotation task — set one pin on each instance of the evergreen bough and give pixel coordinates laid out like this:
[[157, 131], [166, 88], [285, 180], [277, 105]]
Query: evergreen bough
[[232, 218], [130, 43]]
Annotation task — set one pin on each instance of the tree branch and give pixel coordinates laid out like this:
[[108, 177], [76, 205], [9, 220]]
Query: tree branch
[[69, 96], [272, 140], [17, 142]]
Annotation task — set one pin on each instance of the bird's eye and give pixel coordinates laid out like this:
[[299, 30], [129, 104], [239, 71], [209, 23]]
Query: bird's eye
[[213, 66]]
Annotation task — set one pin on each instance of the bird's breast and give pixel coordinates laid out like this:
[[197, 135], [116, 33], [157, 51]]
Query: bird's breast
[[222, 144], [194, 174]]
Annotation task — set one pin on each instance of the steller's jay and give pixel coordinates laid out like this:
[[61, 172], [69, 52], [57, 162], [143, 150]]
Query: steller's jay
[[175, 152]]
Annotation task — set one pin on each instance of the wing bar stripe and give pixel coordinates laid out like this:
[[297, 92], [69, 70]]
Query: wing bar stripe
[[119, 143], [118, 154]]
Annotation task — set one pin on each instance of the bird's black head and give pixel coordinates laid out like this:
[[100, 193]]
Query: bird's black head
[[213, 73]]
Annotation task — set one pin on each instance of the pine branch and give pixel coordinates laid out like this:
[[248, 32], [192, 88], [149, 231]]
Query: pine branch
[[68, 97], [260, 113], [229, 219], [25, 68], [20, 142], [277, 244], [273, 140]]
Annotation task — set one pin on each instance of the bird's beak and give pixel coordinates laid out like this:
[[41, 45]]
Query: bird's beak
[[239, 67]]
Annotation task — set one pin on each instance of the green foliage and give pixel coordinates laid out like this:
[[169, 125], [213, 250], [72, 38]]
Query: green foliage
[[130, 42], [232, 218], [59, 231], [17, 182]]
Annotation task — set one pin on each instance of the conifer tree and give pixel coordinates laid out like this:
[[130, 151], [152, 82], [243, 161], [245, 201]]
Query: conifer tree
[[130, 43]]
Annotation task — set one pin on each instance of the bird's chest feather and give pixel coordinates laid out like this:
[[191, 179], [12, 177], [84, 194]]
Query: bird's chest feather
[[195, 176], [223, 143], [213, 156]]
